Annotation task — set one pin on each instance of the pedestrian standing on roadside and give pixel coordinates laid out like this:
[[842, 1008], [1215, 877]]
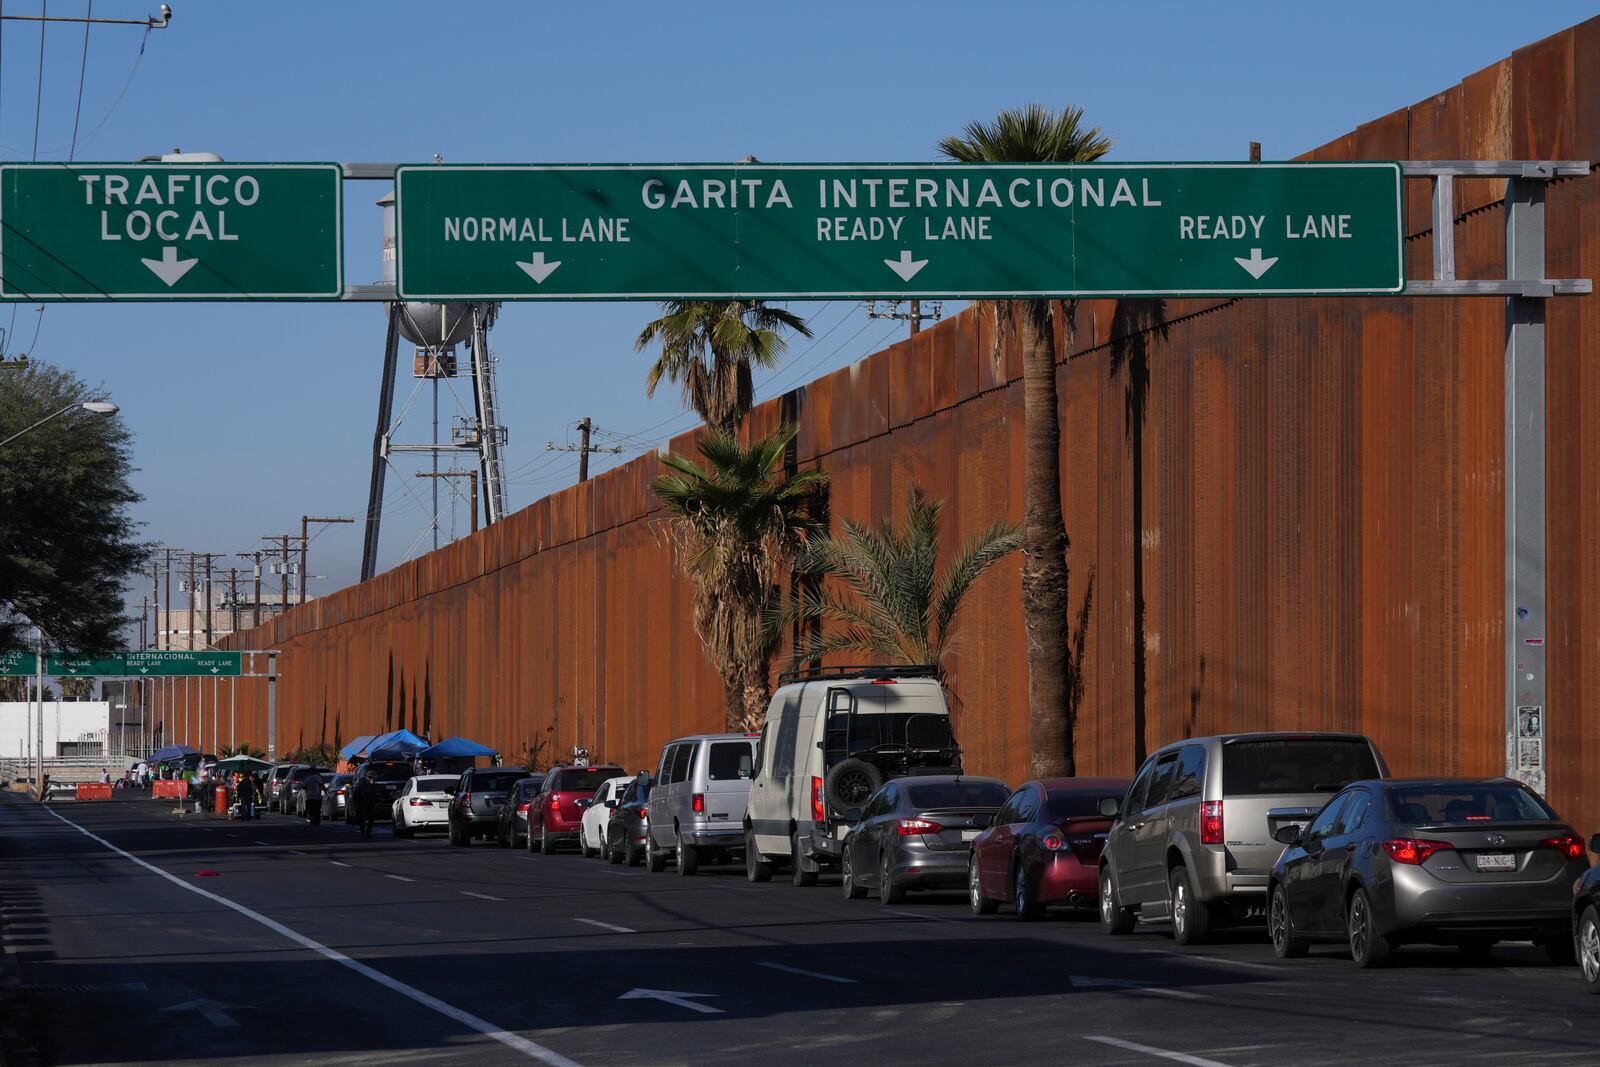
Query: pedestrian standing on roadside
[[248, 795], [105, 775], [312, 786], [361, 796]]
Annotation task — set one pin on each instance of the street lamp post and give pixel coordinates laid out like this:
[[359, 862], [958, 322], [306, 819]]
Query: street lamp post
[[98, 407]]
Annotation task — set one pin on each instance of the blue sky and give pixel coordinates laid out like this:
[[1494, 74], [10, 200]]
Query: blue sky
[[246, 417]]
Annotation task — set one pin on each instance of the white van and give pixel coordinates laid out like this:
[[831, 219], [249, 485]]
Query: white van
[[832, 737]]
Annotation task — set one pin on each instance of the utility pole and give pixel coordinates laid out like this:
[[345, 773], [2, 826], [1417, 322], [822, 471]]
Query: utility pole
[[165, 621], [914, 316], [255, 612], [208, 557], [189, 637], [585, 425], [457, 472], [233, 598], [282, 541], [305, 541]]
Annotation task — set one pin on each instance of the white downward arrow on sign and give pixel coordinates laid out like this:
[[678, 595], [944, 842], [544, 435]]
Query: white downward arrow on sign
[[169, 268], [905, 266], [538, 269], [1255, 264], [667, 996]]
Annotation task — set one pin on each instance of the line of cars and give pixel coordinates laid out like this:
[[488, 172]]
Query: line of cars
[[856, 770]]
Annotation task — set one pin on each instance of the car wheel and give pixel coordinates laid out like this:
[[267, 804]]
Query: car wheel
[[1561, 951], [1028, 909], [1114, 918], [1477, 948], [757, 868], [614, 852], [655, 861], [634, 856], [688, 860], [455, 834], [888, 892], [980, 904], [1588, 946], [852, 891], [583, 843], [1190, 917], [1368, 947], [1281, 928], [547, 844], [798, 875], [605, 847]]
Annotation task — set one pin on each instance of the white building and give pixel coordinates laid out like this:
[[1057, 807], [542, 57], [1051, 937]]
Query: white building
[[71, 727]]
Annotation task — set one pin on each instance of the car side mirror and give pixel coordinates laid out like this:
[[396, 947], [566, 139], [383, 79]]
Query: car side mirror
[[1287, 835], [585, 802], [852, 814], [611, 804], [1110, 807]]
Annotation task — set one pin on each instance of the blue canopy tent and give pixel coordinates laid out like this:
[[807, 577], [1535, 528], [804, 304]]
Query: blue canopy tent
[[172, 752], [398, 744], [355, 746], [454, 747]]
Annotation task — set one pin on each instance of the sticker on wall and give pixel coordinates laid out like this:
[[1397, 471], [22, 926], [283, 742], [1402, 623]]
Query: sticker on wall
[[1530, 720], [1530, 752]]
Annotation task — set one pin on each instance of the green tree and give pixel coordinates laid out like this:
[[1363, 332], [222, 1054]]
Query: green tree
[[900, 607], [1038, 134], [318, 755], [708, 347], [66, 538], [737, 520], [245, 748], [76, 687]]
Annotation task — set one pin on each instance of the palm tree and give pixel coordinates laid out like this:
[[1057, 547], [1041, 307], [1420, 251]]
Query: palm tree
[[709, 347], [737, 520], [244, 748], [76, 687], [901, 608], [1037, 134]]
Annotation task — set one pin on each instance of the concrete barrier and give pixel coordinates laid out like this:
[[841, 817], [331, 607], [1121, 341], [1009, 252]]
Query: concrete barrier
[[94, 791]]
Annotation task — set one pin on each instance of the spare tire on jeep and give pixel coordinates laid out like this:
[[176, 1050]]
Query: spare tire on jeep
[[850, 783]]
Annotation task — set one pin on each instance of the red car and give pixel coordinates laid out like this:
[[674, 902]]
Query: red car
[[554, 814], [1043, 847]]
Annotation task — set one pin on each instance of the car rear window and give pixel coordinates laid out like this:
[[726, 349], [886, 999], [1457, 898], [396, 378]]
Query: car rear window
[[504, 780], [583, 780], [730, 761], [393, 772], [1295, 765], [1431, 805], [438, 785], [956, 794], [1074, 804]]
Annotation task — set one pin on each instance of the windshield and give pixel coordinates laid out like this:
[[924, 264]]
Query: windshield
[[1429, 805], [438, 785], [926, 795], [1295, 765], [495, 782], [583, 780], [917, 730]]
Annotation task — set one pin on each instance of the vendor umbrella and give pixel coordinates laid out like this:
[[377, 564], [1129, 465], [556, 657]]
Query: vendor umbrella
[[241, 764], [172, 752]]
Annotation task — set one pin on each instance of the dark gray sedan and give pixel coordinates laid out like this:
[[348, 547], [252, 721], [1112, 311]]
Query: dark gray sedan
[[1437, 861], [916, 833]]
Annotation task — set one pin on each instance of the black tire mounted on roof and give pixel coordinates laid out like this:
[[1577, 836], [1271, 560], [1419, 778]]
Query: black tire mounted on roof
[[851, 783]]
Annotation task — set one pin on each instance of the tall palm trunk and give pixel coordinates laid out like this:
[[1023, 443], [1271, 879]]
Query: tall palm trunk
[[1044, 566]]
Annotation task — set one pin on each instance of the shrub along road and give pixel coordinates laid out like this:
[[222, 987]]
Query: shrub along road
[[313, 944]]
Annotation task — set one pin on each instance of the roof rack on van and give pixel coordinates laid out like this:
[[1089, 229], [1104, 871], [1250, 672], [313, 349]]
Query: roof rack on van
[[809, 674]]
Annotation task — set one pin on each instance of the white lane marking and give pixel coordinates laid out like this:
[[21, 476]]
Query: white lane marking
[[1080, 981], [808, 974], [1194, 957], [930, 918], [531, 1049], [607, 926], [400, 878], [668, 996], [481, 896], [338, 863], [264, 842], [296, 852], [1163, 1053]]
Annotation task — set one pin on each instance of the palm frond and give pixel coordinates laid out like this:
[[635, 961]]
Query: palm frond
[[976, 555]]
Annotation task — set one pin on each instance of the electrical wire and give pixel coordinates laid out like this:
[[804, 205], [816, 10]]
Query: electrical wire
[[83, 68], [38, 94]]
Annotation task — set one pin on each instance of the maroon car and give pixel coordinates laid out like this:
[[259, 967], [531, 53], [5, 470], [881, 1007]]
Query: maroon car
[[554, 814], [1043, 847]]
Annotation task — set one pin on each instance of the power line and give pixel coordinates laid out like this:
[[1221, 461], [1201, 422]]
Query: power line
[[38, 93], [83, 67]]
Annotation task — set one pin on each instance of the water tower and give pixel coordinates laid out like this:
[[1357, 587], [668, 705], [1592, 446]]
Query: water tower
[[436, 331]]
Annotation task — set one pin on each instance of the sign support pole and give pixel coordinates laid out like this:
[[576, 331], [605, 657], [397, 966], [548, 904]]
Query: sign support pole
[[272, 706], [38, 740]]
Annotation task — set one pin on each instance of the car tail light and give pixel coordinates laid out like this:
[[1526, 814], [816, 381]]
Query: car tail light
[[1569, 845], [1413, 850], [1211, 822], [523, 807], [1054, 842], [911, 827], [416, 802], [339, 792], [644, 813], [466, 799], [818, 813], [699, 802], [555, 803]]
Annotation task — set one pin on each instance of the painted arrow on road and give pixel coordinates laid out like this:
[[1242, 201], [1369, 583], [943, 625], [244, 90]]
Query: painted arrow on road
[[667, 996], [169, 268], [905, 266], [538, 269], [1255, 264], [212, 1011]]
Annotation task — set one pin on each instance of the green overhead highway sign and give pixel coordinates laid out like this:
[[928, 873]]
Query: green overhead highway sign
[[897, 230], [14, 662], [178, 664], [170, 231], [89, 666]]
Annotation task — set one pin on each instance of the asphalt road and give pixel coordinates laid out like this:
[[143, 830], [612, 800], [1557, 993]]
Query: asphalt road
[[311, 945]]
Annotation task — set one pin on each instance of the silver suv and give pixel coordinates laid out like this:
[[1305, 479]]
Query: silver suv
[[1193, 839]]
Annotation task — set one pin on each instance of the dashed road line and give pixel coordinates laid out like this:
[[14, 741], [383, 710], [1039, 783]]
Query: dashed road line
[[613, 927], [264, 842], [400, 878], [480, 896], [296, 852], [338, 863], [1163, 1053], [930, 918], [807, 974]]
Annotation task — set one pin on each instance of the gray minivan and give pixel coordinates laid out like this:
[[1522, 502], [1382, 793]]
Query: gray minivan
[[1193, 839], [698, 799]]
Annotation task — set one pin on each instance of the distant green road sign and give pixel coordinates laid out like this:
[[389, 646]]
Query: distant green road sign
[[89, 666], [15, 662], [176, 664], [897, 230], [171, 231]]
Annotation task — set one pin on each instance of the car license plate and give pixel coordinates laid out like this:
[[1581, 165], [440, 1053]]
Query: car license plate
[[1496, 861], [969, 835]]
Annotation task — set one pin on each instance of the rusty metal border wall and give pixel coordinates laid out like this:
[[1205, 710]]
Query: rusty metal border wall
[[1318, 533]]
